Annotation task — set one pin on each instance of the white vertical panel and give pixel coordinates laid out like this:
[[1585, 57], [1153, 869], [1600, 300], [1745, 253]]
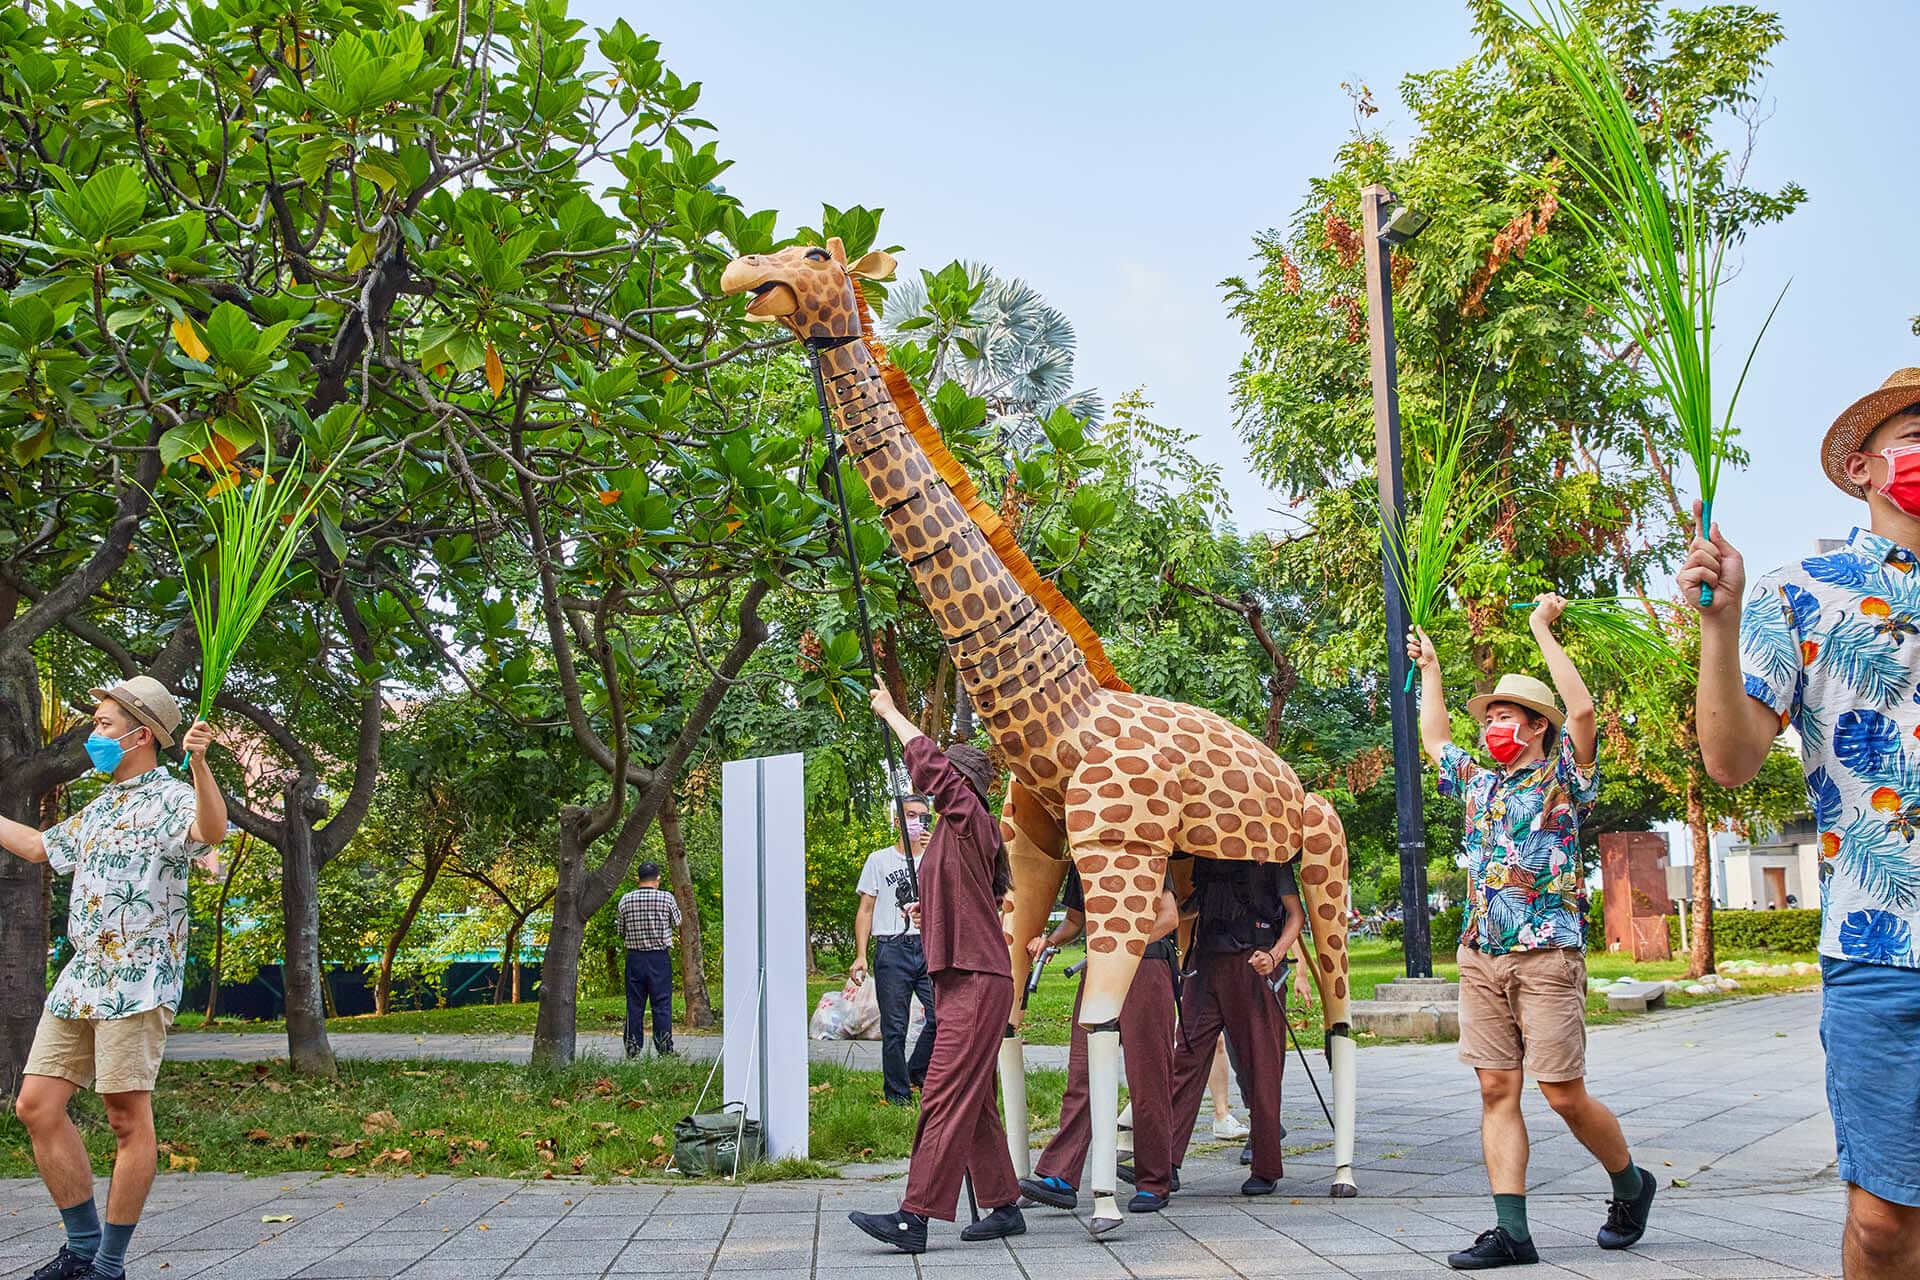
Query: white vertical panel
[[764, 966]]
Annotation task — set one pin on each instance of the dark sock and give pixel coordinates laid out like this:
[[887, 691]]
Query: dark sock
[[111, 1259], [83, 1228], [1512, 1212], [1626, 1183]]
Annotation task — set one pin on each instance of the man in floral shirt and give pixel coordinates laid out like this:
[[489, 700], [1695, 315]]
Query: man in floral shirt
[[1523, 971], [1831, 646], [105, 1024]]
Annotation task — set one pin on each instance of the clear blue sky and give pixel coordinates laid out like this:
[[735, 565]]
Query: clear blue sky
[[1121, 156]]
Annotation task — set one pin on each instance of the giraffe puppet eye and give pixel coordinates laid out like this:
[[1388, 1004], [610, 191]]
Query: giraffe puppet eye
[[817, 255]]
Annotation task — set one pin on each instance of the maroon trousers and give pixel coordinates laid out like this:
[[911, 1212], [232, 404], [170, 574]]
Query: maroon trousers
[[960, 1130], [1146, 1041], [1228, 994]]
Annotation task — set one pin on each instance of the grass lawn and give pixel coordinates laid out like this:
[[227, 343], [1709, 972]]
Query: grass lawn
[[597, 1120], [1050, 1011]]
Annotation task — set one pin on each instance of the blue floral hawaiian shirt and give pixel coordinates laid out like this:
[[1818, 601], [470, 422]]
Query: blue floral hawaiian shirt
[[1832, 645], [1522, 850]]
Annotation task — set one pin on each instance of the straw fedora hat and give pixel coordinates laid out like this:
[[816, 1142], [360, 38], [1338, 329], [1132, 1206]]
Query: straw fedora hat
[[149, 702], [1851, 429], [1523, 691]]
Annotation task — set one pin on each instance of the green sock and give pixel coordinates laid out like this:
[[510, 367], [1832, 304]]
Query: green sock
[[1512, 1212], [1626, 1183]]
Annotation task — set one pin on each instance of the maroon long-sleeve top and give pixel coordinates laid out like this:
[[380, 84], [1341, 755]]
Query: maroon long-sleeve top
[[959, 911]]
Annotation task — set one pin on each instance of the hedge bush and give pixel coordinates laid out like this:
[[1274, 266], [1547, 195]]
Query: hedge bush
[[1794, 929], [1443, 927]]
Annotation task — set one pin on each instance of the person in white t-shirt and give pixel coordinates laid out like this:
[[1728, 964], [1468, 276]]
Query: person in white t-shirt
[[899, 965]]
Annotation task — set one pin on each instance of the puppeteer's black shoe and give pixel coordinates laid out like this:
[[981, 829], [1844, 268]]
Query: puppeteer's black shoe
[[905, 1231], [1124, 1171], [1494, 1248], [1258, 1186], [1052, 1192], [66, 1265], [1627, 1219], [1004, 1221], [1146, 1202]]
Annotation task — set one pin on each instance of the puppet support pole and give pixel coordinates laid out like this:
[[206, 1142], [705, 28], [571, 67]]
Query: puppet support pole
[[1103, 1106], [1340, 1058], [1013, 1098]]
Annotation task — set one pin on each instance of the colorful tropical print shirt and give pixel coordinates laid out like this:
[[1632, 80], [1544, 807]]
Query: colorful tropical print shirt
[[1832, 646], [129, 852], [1522, 849]]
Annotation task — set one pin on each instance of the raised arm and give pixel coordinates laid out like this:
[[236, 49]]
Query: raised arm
[[1736, 730], [209, 802], [22, 841], [1582, 729], [1436, 730], [882, 703]]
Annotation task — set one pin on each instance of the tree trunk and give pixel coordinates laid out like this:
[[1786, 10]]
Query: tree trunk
[[308, 1050], [555, 1030], [1701, 960], [517, 990], [693, 957], [220, 926], [429, 872], [23, 884]]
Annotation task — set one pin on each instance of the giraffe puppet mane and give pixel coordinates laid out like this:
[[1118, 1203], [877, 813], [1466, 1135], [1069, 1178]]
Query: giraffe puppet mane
[[999, 537]]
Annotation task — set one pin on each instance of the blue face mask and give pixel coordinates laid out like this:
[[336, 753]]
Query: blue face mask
[[107, 753]]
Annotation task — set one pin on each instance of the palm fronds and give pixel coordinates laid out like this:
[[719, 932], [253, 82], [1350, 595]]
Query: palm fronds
[[256, 534], [1674, 262], [1428, 553], [1619, 632]]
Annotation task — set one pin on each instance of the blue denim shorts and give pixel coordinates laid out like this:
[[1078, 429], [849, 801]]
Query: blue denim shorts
[[1870, 1027]]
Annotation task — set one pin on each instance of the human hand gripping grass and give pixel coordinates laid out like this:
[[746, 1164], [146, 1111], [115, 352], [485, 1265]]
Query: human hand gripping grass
[[255, 539], [1619, 630], [1665, 296]]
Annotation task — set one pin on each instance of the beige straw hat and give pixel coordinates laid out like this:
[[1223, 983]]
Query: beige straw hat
[[1851, 429], [1523, 691], [149, 702]]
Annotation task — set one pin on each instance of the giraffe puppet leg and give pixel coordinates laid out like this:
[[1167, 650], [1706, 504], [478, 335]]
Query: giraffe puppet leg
[[1034, 842], [1121, 889], [1324, 893]]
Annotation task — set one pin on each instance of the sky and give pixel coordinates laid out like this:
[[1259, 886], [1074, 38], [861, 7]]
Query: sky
[[1121, 157]]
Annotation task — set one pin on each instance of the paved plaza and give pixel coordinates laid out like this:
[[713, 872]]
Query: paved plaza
[[1727, 1099]]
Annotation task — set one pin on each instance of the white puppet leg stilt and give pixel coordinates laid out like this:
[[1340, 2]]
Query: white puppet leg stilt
[[1103, 1111], [1013, 1098], [1341, 1058]]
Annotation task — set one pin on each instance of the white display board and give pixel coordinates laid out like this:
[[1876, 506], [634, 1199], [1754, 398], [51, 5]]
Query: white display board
[[764, 967]]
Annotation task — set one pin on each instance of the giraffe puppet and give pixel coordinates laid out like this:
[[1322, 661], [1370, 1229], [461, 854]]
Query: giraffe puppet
[[1111, 780]]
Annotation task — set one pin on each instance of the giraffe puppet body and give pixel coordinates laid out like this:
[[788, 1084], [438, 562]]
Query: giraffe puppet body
[[1113, 780]]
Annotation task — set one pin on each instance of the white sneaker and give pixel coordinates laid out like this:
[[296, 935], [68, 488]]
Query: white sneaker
[[1230, 1129], [1126, 1117]]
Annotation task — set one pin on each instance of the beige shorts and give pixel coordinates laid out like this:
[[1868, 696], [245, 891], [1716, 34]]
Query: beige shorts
[[1525, 1009], [119, 1055]]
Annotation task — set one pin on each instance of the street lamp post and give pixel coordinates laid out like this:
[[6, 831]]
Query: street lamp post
[[1382, 229]]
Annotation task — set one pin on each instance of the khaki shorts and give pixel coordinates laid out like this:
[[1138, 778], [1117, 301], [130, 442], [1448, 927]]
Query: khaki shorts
[[1525, 1009], [119, 1055]]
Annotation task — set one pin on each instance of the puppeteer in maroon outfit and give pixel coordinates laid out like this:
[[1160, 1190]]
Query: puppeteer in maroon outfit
[[1146, 1041], [1244, 910], [960, 1130]]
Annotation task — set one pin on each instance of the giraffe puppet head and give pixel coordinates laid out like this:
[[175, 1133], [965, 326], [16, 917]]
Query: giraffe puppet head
[[808, 288]]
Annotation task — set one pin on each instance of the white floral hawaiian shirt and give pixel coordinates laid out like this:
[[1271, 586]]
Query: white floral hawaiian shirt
[[129, 852], [1832, 646]]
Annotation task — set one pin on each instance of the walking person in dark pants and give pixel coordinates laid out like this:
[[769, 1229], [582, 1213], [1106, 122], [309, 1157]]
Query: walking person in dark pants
[[899, 962], [648, 917]]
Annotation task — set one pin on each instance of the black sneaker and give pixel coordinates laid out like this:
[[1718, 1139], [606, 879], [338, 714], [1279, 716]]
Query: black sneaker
[[1055, 1193], [1494, 1248], [1258, 1186], [66, 1265], [1125, 1173], [1147, 1202], [1627, 1219], [1246, 1152], [1007, 1220], [905, 1231]]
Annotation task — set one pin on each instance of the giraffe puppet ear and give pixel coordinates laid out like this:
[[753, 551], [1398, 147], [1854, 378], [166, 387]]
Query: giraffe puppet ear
[[838, 249], [875, 266]]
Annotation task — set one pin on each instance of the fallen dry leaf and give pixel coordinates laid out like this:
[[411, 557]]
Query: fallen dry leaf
[[276, 1217], [259, 1135], [178, 1162], [379, 1122], [346, 1150]]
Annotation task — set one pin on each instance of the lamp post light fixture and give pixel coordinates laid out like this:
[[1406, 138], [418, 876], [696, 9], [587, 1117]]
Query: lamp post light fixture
[[1384, 224]]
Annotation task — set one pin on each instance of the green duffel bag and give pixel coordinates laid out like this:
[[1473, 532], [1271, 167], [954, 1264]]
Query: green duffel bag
[[703, 1145]]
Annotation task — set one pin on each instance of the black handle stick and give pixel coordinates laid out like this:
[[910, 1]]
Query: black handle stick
[[860, 599]]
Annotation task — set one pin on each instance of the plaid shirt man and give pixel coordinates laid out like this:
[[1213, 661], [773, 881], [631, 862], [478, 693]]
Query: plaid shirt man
[[648, 918]]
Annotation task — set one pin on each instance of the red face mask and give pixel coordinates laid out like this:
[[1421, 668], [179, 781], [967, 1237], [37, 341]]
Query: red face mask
[[1504, 742], [1902, 488]]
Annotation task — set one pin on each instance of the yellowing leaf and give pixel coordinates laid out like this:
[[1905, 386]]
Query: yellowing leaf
[[496, 372], [231, 480], [189, 339], [176, 1162], [362, 252], [609, 496], [276, 1217]]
